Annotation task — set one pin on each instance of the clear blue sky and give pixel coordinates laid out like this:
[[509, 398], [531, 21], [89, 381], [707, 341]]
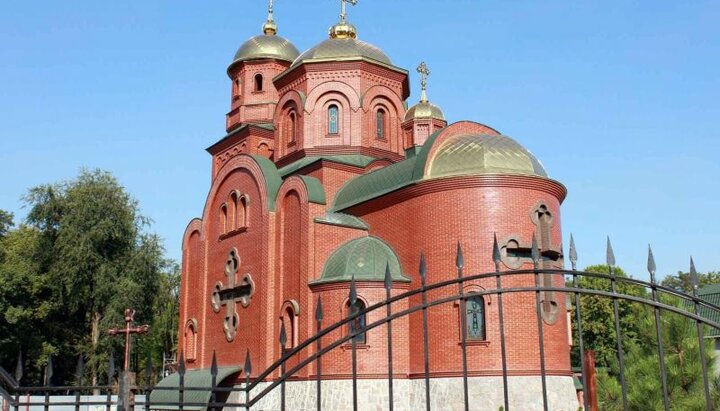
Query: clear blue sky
[[618, 98]]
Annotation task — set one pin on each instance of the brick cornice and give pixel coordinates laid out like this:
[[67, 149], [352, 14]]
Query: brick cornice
[[423, 187], [337, 150]]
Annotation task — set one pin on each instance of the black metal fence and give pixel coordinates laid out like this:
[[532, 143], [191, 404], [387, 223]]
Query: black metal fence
[[249, 388]]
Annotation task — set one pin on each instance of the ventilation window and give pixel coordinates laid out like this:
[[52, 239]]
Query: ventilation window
[[475, 318], [358, 323]]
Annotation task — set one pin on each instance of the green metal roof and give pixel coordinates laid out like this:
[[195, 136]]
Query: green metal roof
[[711, 294], [342, 220], [375, 184], [316, 193], [364, 259], [273, 181], [357, 160], [165, 398]]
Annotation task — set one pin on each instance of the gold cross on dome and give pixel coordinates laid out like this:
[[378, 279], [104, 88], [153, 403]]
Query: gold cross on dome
[[343, 13], [270, 7], [424, 73]]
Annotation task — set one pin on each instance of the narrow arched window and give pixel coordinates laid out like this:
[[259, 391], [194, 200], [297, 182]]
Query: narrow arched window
[[380, 124], [475, 318], [292, 127], [223, 219], [190, 341], [258, 82], [232, 211], [242, 212], [358, 323], [333, 114]]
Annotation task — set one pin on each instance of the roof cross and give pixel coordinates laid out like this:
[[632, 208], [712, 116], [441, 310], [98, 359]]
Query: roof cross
[[231, 294], [343, 13], [424, 73]]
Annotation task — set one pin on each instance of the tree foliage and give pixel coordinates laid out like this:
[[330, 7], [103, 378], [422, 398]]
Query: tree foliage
[[82, 256], [682, 282]]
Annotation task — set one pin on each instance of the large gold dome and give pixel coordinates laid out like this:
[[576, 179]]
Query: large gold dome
[[266, 47], [475, 154], [339, 49]]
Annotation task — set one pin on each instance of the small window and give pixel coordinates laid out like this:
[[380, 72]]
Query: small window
[[238, 87], [333, 114], [242, 212], [223, 219], [475, 318], [232, 212], [292, 127], [258, 82], [380, 124], [190, 341], [359, 322]]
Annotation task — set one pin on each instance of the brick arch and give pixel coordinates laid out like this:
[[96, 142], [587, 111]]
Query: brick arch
[[380, 91], [335, 87], [316, 124], [290, 101], [391, 140], [239, 162]]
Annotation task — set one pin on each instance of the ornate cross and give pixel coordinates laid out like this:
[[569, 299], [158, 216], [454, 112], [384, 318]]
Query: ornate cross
[[128, 330], [424, 73], [228, 296], [343, 14]]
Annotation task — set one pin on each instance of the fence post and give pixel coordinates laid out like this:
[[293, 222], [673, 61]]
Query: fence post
[[388, 312], [590, 376], [110, 375], [79, 371], [503, 349], [318, 347], [248, 371], [48, 382]]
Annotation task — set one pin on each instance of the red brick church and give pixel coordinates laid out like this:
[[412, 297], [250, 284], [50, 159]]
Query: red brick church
[[330, 171]]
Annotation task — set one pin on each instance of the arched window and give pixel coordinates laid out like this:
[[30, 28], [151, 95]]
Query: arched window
[[333, 114], [292, 127], [359, 323], [191, 340], [223, 219], [475, 318], [242, 212], [232, 211], [380, 124], [238, 88], [258, 82]]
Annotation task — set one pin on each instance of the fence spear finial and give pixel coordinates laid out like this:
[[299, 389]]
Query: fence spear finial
[[148, 368], [19, 368], [318, 310], [49, 372], [248, 366], [535, 251], [610, 255], [573, 253], [459, 258], [353, 291], [213, 365], [693, 275], [388, 277], [422, 269], [651, 265], [181, 365], [283, 334], [80, 369], [111, 368], [496, 256]]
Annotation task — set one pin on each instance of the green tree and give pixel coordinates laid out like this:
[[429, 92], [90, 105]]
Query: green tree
[[683, 367], [597, 316], [682, 282], [88, 257]]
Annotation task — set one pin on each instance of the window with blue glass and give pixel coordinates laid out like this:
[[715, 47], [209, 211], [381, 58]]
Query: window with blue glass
[[475, 318], [358, 323], [333, 114]]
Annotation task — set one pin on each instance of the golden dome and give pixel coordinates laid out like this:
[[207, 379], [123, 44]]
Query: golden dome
[[266, 47], [474, 154], [424, 109], [346, 48]]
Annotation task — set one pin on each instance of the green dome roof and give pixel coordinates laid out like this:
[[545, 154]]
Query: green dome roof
[[483, 154], [343, 49], [364, 258], [266, 47]]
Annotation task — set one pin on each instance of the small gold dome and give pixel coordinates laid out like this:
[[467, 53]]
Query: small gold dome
[[424, 109], [266, 47], [475, 154], [346, 48], [343, 31]]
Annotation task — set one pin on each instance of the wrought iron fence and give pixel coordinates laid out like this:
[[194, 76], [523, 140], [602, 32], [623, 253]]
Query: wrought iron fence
[[249, 388]]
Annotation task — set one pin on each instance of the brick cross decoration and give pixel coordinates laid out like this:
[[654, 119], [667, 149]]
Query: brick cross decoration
[[231, 294]]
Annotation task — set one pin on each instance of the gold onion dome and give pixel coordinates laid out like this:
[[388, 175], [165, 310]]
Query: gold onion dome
[[474, 154], [424, 109], [267, 46]]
